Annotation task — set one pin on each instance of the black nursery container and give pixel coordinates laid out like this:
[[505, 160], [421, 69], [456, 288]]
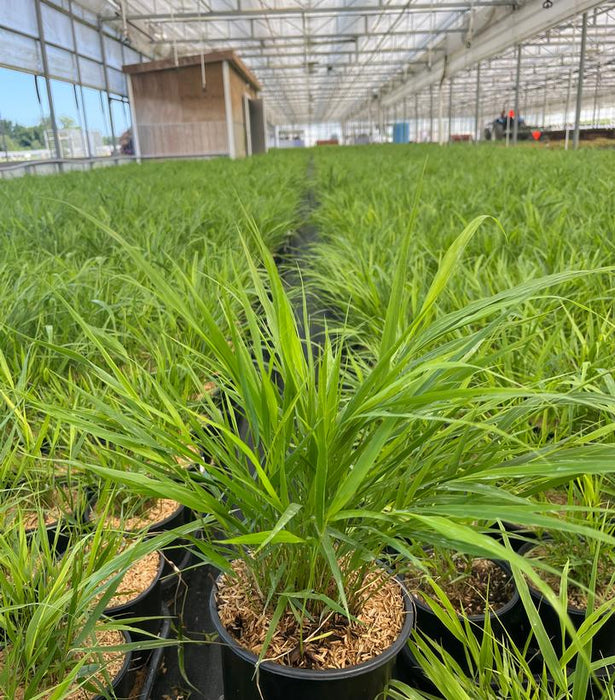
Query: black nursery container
[[147, 604], [603, 644], [59, 532], [507, 621], [177, 553], [517, 535], [124, 682], [365, 681]]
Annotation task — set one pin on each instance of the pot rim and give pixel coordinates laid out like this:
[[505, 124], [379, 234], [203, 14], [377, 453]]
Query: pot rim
[[125, 666], [493, 614], [161, 524], [90, 510], [328, 674], [115, 609]]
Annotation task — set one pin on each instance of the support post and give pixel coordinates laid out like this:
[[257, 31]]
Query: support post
[[228, 109], [595, 110], [247, 124], [450, 109], [431, 113], [517, 90], [104, 63], [566, 112], [52, 112], [440, 116], [133, 118], [86, 135], [577, 113], [477, 106]]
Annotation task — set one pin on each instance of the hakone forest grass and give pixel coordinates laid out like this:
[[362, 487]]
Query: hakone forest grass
[[477, 353]]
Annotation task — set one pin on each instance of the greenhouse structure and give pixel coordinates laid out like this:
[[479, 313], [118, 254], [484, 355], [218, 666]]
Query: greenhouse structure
[[307, 349]]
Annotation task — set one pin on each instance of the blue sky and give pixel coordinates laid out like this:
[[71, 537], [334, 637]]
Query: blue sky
[[19, 103]]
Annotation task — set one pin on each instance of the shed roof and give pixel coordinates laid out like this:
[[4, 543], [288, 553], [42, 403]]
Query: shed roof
[[183, 61]]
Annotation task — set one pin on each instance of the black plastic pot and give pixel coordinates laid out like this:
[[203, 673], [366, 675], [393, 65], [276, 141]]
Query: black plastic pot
[[147, 604], [175, 552], [122, 684], [408, 671], [170, 574], [518, 535], [507, 621], [276, 682], [603, 644], [59, 532]]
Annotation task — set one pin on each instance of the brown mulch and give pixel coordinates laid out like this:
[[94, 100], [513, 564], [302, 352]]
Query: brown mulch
[[341, 643], [485, 584], [138, 578], [158, 509], [52, 512], [112, 660]]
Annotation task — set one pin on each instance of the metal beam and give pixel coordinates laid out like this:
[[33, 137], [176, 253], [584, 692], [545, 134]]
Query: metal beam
[[330, 38], [103, 54], [512, 29], [299, 10], [228, 109], [517, 89], [477, 107]]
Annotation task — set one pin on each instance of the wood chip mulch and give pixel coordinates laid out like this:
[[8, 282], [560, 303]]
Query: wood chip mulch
[[138, 578], [344, 644], [158, 509]]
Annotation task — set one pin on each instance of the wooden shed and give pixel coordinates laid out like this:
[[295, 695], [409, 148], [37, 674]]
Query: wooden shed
[[201, 105]]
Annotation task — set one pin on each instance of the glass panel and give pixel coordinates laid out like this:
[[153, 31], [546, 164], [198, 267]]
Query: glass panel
[[57, 27], [24, 117], [20, 15], [121, 123], [131, 56], [88, 41], [92, 73], [117, 81], [62, 64], [113, 53], [97, 115], [68, 117], [20, 51]]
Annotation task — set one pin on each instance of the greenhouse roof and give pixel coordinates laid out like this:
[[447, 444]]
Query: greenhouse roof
[[331, 60]]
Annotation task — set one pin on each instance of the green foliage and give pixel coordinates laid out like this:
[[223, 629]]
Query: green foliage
[[468, 368]]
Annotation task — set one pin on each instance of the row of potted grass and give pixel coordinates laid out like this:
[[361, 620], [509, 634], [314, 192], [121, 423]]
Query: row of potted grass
[[561, 341], [59, 269]]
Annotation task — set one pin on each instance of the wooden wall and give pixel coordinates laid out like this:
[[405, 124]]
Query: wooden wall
[[175, 116], [239, 88]]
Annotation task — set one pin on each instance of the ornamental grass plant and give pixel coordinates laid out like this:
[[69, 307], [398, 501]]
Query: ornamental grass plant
[[337, 461]]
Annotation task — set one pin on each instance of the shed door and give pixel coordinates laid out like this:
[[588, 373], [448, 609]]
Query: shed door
[[257, 126]]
